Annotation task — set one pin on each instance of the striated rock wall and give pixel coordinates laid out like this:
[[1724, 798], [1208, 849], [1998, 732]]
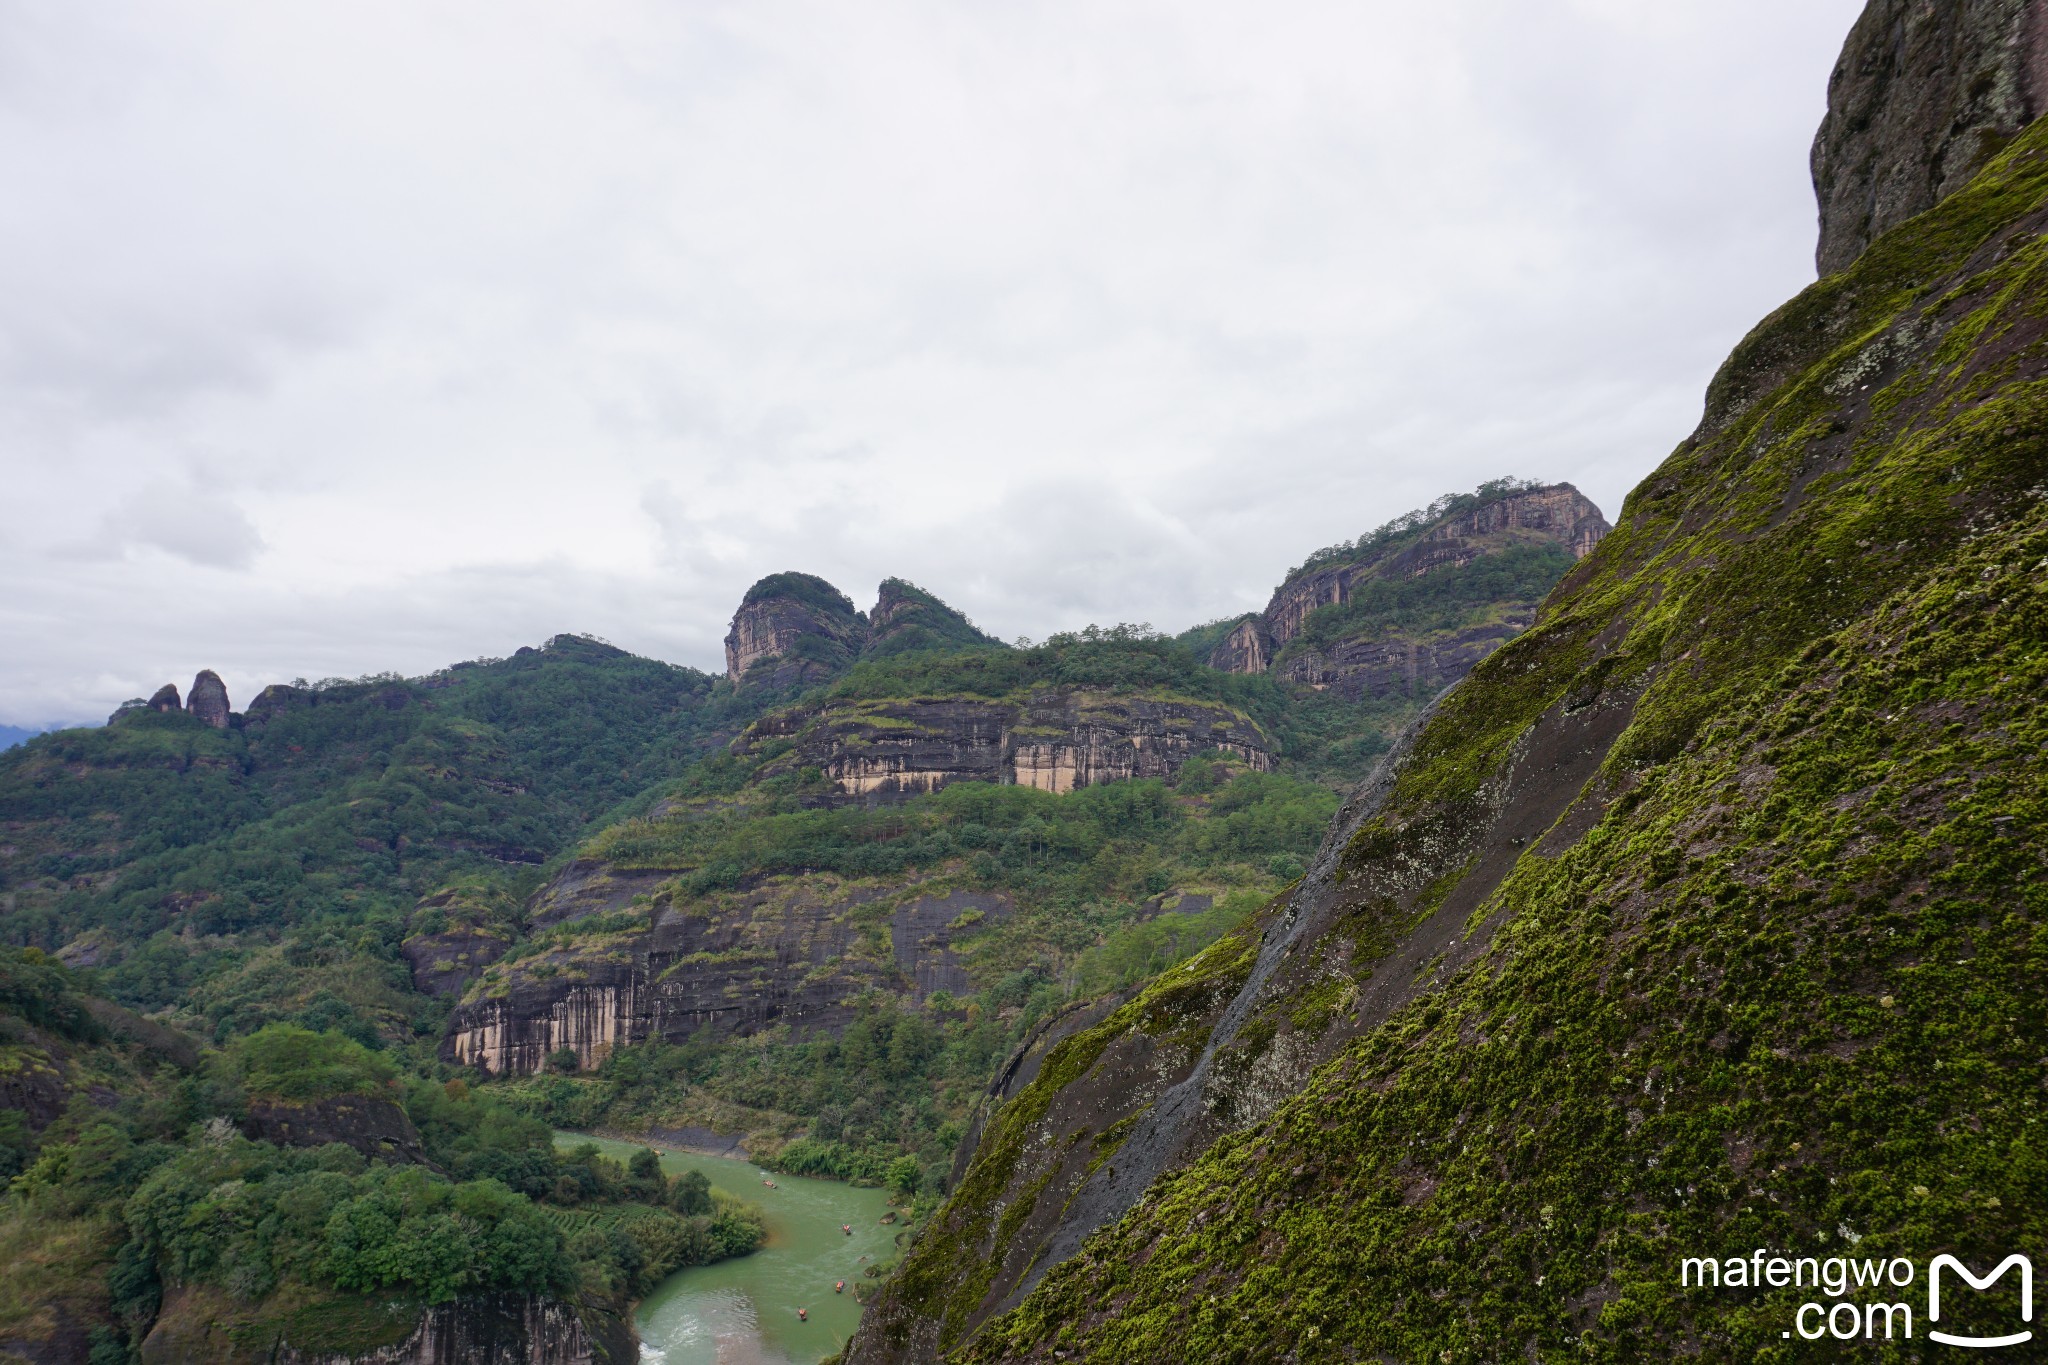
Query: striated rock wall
[[1378, 665], [198, 1324], [802, 625], [795, 629], [1399, 664], [1924, 94], [794, 951], [906, 617], [1559, 515], [507, 1329], [1247, 649], [1056, 740]]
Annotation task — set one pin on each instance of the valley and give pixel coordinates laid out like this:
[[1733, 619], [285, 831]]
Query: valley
[[809, 906]]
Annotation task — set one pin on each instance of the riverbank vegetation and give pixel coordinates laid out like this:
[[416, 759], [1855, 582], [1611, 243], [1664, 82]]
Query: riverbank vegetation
[[166, 1177]]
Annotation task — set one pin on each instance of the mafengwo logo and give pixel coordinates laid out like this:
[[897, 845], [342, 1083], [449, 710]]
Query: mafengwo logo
[[2015, 1261], [1867, 1299]]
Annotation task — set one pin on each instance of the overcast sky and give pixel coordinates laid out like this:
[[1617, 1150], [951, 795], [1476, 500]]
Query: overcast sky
[[339, 338]]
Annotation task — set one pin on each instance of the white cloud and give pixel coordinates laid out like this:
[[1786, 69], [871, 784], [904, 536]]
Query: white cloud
[[375, 335]]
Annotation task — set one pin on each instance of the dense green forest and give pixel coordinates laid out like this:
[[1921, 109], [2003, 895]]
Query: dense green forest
[[149, 1178]]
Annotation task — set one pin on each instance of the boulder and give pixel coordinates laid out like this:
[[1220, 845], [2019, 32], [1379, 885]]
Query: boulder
[[165, 698], [208, 700]]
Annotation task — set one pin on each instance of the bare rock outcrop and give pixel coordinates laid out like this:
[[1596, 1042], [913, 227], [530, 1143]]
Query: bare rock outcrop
[[444, 964], [792, 628], [1247, 649], [166, 699], [273, 701], [202, 1323], [1924, 94], [1370, 661], [503, 1329], [208, 700], [793, 951], [1056, 739]]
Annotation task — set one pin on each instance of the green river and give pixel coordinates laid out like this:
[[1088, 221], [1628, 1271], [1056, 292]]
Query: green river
[[743, 1311]]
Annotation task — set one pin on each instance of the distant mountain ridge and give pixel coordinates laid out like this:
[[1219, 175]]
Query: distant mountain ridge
[[793, 629], [1419, 602]]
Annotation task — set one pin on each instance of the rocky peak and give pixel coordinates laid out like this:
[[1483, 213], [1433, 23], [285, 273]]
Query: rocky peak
[[802, 625], [165, 698], [208, 700], [1450, 534], [906, 617], [273, 701], [1559, 512], [1924, 94]]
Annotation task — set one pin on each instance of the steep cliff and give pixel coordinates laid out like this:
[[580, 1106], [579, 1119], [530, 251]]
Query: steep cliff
[[1921, 97], [375, 1125], [1641, 947], [507, 1329], [794, 952], [1054, 739], [1411, 608], [792, 629]]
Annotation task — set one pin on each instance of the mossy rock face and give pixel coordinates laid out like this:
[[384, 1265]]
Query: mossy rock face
[[1705, 916], [1054, 1119]]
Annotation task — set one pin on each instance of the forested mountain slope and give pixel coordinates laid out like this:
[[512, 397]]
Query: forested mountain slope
[[1705, 916], [401, 926]]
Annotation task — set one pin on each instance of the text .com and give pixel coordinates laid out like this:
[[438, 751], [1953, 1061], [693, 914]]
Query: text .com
[[1876, 1299]]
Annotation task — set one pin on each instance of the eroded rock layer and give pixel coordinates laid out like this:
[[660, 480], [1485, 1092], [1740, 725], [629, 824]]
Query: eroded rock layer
[[200, 1324], [795, 951], [1386, 654], [1056, 740]]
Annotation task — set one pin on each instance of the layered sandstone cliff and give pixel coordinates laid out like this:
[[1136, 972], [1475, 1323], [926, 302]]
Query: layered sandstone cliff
[[792, 628], [1375, 657], [793, 951], [199, 1324], [1055, 739]]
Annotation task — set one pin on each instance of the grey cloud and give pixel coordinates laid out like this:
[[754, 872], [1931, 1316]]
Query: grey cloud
[[200, 527], [1068, 311]]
